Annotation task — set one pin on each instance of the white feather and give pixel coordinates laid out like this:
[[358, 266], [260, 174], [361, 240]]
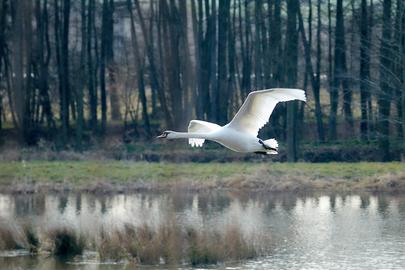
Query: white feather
[[198, 126], [258, 106], [272, 143]]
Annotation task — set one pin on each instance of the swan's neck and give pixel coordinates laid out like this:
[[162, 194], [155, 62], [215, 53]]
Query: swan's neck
[[186, 135]]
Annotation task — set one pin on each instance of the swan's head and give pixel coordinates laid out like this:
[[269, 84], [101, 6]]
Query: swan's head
[[165, 135]]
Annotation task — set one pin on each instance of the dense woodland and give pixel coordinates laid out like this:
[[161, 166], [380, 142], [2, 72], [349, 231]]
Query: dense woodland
[[70, 70]]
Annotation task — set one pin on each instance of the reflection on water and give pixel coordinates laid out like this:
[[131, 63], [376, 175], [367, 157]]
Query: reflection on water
[[320, 232]]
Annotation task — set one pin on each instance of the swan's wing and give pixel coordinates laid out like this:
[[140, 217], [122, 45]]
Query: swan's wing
[[198, 126], [258, 106]]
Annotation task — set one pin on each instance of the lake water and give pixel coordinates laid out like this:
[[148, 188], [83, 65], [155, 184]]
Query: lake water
[[306, 232]]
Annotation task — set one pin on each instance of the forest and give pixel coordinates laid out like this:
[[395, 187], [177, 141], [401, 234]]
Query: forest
[[71, 70]]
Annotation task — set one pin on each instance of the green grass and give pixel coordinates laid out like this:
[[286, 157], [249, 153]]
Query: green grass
[[79, 171], [82, 172], [339, 170]]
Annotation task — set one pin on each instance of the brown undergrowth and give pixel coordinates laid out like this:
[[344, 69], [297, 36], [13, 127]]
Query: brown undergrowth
[[260, 181], [170, 243]]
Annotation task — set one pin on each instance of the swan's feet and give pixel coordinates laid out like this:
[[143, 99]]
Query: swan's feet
[[266, 146]]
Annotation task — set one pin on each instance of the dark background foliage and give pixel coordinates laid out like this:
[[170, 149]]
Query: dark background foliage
[[72, 71]]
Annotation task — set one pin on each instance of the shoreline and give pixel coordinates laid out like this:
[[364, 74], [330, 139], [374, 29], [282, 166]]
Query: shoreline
[[126, 177]]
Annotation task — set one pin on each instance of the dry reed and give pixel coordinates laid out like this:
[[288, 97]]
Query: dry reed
[[169, 243]]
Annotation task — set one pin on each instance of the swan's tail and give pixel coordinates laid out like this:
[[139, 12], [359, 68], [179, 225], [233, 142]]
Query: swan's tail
[[196, 142], [273, 144]]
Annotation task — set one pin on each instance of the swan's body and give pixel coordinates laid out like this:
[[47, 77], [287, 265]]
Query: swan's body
[[240, 134]]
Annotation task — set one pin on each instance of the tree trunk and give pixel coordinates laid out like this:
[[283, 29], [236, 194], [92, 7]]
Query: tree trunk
[[64, 79], [206, 52], [21, 29], [370, 113], [213, 61], [291, 61], [266, 34], [103, 60], [197, 37], [384, 96], [221, 97], [258, 53], [154, 75], [247, 59], [90, 67], [3, 8], [140, 70], [364, 71], [80, 90], [277, 67], [5, 61], [232, 66], [332, 95], [397, 68], [309, 40], [171, 39], [334, 91], [47, 108], [187, 66], [152, 26], [110, 63], [1, 112], [59, 62], [403, 66], [315, 78], [339, 76], [317, 88]]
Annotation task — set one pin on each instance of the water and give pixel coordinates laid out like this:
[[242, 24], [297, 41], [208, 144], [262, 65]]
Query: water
[[304, 232]]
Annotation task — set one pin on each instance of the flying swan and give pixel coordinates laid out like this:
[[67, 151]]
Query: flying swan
[[240, 134]]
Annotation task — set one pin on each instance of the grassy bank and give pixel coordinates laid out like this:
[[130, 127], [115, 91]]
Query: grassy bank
[[116, 176]]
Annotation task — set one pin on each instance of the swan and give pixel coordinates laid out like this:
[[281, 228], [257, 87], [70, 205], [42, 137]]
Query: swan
[[240, 134]]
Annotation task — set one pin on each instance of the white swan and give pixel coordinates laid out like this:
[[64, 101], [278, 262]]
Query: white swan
[[240, 134]]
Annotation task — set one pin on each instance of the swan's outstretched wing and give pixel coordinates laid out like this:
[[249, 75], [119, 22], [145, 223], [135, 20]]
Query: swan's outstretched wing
[[258, 106], [198, 126]]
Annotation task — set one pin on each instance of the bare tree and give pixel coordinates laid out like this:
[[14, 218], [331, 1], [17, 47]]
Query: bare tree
[[139, 62], [314, 77], [339, 75], [384, 95], [64, 74], [364, 70], [21, 66], [397, 66], [91, 66], [221, 97], [80, 90], [291, 60], [155, 77]]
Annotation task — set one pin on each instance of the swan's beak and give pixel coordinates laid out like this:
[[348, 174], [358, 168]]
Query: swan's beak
[[161, 136]]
